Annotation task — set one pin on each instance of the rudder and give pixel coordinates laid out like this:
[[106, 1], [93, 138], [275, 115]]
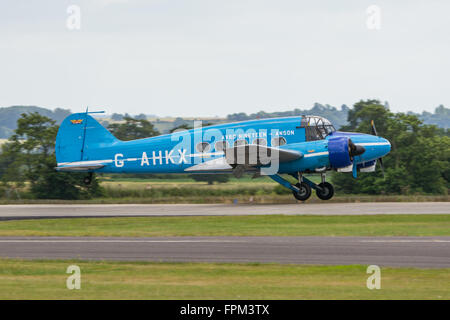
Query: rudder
[[78, 133]]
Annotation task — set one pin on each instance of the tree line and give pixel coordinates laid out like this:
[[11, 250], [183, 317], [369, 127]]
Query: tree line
[[419, 161], [338, 116]]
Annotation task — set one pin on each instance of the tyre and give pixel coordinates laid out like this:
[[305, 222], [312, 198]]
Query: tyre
[[327, 191], [304, 191], [87, 180]]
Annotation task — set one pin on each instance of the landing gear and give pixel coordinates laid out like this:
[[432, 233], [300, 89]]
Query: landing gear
[[88, 179], [304, 191], [326, 191], [301, 191]]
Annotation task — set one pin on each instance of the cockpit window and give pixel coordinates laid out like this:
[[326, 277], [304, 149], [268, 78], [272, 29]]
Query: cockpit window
[[316, 128]]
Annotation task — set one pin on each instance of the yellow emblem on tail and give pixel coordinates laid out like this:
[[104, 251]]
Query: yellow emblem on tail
[[77, 121]]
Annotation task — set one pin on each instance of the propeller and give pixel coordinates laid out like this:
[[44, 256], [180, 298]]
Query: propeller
[[354, 150], [374, 132]]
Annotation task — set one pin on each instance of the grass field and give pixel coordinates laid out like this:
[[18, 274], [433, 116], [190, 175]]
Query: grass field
[[46, 279], [185, 179], [20, 279], [268, 225], [184, 189]]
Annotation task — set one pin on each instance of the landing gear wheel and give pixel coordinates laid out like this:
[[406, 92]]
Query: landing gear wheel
[[304, 191], [87, 180], [327, 191]]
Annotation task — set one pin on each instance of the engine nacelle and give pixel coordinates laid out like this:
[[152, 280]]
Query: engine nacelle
[[338, 152]]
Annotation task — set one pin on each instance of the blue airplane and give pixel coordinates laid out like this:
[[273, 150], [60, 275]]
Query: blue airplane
[[272, 147]]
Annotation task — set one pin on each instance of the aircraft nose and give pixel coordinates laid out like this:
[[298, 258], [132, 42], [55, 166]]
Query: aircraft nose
[[385, 146]]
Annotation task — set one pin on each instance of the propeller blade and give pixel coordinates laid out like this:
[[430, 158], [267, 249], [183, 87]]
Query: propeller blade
[[355, 170], [374, 129], [374, 132], [381, 165]]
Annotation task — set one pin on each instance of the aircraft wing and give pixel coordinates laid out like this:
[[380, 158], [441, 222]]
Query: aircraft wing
[[257, 155], [219, 164], [250, 156]]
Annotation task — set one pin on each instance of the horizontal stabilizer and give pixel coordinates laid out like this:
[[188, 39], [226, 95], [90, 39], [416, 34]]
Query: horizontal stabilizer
[[80, 168]]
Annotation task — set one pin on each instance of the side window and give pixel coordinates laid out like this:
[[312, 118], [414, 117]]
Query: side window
[[278, 141], [260, 141], [221, 145], [240, 143], [312, 134], [303, 122], [203, 147]]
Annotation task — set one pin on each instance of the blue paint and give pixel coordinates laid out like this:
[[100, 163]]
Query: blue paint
[[338, 152], [177, 152]]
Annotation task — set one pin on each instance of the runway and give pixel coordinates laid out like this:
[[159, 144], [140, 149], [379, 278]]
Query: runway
[[424, 252], [11, 212]]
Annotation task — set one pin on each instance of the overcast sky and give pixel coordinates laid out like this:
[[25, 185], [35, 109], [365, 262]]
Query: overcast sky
[[211, 57]]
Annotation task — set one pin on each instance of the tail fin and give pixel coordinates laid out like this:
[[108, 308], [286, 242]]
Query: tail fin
[[78, 134]]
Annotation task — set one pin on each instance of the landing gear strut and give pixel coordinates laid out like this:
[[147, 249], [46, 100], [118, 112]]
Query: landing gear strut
[[88, 179], [325, 190], [302, 189]]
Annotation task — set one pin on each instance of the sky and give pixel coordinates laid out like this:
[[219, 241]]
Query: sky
[[213, 58]]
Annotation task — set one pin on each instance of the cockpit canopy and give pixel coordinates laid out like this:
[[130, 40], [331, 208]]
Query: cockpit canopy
[[316, 128]]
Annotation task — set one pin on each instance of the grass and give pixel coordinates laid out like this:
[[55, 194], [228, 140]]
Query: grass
[[184, 189], [266, 225], [39, 279], [186, 179], [259, 197]]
